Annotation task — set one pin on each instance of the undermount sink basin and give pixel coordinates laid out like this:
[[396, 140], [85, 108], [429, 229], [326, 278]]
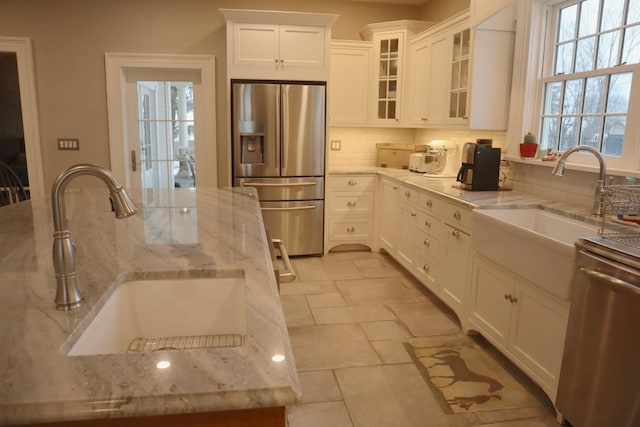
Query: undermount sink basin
[[155, 311], [535, 243]]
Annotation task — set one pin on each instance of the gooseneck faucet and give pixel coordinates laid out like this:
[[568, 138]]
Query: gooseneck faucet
[[558, 170], [67, 295]]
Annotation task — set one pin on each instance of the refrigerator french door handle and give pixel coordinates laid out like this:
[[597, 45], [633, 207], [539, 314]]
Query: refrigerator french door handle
[[294, 208], [284, 138], [287, 184], [278, 153]]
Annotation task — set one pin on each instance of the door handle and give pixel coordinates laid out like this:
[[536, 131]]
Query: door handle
[[612, 282], [289, 275], [294, 208], [134, 167], [274, 184]]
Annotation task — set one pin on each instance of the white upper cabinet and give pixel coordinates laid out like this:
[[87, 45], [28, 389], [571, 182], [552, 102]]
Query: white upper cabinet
[[388, 74], [349, 83], [277, 45]]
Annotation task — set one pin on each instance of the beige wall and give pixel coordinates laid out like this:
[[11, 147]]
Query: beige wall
[[70, 38], [438, 10]]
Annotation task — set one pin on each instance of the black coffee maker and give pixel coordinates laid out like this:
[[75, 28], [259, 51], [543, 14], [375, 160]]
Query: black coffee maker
[[480, 170]]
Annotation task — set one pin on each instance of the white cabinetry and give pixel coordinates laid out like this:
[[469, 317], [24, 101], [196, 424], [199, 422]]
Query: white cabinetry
[[277, 45], [389, 44], [351, 204], [525, 323], [406, 226], [389, 212], [349, 78], [455, 280]]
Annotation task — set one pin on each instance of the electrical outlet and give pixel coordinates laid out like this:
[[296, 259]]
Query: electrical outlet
[[335, 145], [68, 144]]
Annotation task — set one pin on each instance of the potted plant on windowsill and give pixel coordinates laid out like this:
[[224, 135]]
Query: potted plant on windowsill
[[529, 148]]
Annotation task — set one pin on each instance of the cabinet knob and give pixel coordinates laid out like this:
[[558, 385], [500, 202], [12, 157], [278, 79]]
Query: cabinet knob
[[514, 300], [429, 203], [456, 234], [424, 119], [414, 214], [351, 203], [408, 194], [395, 188], [427, 223], [352, 182], [507, 297], [426, 268], [350, 229], [427, 243], [457, 215]]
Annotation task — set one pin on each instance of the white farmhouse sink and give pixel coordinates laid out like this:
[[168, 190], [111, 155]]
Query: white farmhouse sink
[[209, 306], [536, 244]]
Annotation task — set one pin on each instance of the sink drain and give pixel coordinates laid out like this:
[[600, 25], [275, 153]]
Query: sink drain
[[139, 345]]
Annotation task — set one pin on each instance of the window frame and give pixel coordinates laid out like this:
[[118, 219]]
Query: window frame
[[536, 31]]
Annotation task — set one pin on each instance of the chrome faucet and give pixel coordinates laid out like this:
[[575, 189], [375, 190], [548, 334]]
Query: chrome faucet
[[67, 295], [558, 170]]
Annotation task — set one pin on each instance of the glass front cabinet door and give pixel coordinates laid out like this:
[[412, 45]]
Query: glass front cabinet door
[[389, 52], [459, 75]]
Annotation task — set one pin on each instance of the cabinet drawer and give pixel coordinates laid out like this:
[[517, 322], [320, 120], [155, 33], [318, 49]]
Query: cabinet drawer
[[427, 245], [431, 204], [458, 216], [428, 272], [430, 225], [350, 229], [352, 182], [407, 195], [347, 202]]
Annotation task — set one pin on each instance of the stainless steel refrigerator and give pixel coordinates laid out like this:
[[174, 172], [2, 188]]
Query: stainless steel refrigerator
[[278, 134]]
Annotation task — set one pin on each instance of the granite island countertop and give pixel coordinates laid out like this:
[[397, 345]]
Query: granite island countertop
[[189, 230]]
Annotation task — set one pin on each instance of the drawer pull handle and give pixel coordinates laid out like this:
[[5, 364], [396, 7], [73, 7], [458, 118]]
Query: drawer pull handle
[[510, 298], [429, 203], [350, 229], [414, 214], [352, 182], [351, 203], [456, 215], [427, 223], [427, 243], [395, 188], [426, 268], [456, 234]]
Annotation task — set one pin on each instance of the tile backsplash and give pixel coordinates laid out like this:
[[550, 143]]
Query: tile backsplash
[[358, 149]]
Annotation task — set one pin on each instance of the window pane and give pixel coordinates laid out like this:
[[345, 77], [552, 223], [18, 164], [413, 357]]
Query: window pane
[[588, 18], [590, 132], [585, 54], [619, 90], [549, 132], [393, 67], [466, 40], [392, 89], [608, 50], [568, 133], [464, 73], [567, 27], [384, 68], [552, 98], [594, 95], [392, 110], [612, 14], [462, 107], [455, 75], [613, 135], [382, 110], [393, 46], [457, 43], [564, 56], [384, 47], [572, 92], [633, 14], [382, 89], [631, 47]]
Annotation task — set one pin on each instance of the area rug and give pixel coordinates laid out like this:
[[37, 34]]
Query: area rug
[[468, 375]]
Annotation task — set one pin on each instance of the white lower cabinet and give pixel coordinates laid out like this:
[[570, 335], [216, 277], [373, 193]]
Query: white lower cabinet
[[456, 269], [350, 206], [525, 323], [389, 213]]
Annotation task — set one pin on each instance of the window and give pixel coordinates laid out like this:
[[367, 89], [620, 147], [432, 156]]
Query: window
[[591, 60]]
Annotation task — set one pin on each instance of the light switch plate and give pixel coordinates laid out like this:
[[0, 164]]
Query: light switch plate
[[68, 144], [335, 145]]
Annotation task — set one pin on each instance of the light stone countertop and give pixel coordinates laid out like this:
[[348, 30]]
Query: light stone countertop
[[448, 188], [203, 229]]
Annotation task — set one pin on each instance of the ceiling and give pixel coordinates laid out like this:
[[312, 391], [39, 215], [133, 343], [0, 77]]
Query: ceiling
[[398, 2]]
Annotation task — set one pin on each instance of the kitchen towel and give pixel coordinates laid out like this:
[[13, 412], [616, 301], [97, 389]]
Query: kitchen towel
[[468, 375]]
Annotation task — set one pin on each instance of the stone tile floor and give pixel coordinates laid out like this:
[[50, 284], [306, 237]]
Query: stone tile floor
[[348, 315]]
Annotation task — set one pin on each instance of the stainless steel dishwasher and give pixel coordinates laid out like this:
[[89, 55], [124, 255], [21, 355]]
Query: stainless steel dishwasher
[[600, 377]]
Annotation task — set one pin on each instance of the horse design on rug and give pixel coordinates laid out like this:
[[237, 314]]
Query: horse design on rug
[[460, 372]]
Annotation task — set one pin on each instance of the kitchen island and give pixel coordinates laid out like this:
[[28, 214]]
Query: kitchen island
[[186, 229]]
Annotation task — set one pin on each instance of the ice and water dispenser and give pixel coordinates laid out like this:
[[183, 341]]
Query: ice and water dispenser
[[252, 142]]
